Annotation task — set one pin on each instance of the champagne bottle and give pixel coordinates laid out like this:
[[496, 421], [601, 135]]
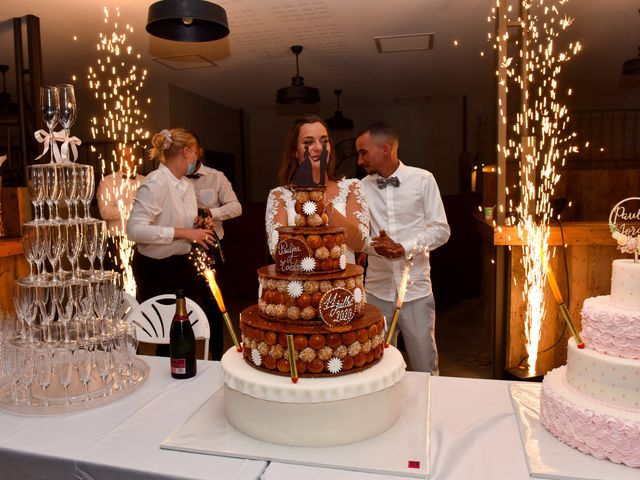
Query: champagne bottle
[[182, 341]]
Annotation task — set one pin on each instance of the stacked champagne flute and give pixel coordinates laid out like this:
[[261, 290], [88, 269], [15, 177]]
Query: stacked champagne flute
[[73, 349]]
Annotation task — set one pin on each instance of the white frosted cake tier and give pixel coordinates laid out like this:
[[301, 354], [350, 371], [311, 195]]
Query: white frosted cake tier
[[625, 283], [611, 329], [606, 380], [602, 431], [315, 411]]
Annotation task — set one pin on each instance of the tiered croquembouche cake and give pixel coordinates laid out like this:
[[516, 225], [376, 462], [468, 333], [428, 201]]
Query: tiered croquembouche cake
[[593, 402], [312, 303]]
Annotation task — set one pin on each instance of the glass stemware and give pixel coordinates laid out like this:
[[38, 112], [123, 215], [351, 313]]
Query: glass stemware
[[50, 110], [47, 305], [35, 181], [63, 364], [131, 347], [90, 232], [84, 364], [24, 299], [69, 178], [102, 360], [83, 298], [73, 244], [65, 305], [30, 234], [43, 368], [26, 368], [101, 240], [53, 246], [86, 184], [68, 108], [10, 358], [51, 188]]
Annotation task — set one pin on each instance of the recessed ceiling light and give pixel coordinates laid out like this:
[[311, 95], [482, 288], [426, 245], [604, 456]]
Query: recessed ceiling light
[[412, 42], [185, 62]]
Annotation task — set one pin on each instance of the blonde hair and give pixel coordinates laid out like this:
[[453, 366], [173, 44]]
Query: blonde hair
[[168, 143]]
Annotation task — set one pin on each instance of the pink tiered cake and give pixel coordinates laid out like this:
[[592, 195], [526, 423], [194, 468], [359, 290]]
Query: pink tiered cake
[[593, 402]]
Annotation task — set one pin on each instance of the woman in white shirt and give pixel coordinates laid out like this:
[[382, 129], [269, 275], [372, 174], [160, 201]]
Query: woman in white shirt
[[163, 221], [346, 205]]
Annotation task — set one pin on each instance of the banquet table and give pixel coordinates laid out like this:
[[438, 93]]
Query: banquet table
[[474, 435]]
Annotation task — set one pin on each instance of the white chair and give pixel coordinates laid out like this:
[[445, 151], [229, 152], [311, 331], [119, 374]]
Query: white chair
[[129, 304], [152, 319]]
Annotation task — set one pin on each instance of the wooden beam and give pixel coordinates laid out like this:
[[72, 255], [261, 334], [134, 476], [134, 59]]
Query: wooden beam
[[571, 233]]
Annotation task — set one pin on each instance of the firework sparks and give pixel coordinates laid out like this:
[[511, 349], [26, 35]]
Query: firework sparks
[[116, 81], [539, 142]]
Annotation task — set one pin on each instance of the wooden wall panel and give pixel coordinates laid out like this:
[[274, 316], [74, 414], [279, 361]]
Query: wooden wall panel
[[11, 267]]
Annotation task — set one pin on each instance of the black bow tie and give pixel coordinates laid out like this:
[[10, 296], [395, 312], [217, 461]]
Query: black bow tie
[[384, 182], [129, 177], [194, 176]]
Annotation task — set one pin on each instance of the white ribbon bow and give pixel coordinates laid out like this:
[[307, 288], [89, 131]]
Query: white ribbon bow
[[66, 140], [43, 136]]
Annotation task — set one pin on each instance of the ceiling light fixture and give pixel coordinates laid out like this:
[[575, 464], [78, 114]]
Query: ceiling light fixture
[[187, 20], [297, 92], [632, 67], [339, 121]]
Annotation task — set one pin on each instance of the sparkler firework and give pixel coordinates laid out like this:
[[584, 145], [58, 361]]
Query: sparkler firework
[[117, 81], [539, 141]]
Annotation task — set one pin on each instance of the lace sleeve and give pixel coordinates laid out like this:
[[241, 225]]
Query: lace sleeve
[[276, 214], [357, 207]]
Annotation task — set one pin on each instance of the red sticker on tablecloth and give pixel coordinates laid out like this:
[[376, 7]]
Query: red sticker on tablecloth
[[289, 254], [413, 464]]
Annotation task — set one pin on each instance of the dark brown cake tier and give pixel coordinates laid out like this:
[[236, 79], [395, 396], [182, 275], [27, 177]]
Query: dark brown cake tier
[[297, 296], [311, 250], [319, 352], [309, 205]]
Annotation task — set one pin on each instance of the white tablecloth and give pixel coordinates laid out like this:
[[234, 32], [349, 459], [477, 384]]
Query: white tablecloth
[[474, 435], [120, 440]]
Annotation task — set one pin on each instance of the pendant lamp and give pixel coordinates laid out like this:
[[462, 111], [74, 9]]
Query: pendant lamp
[[632, 67], [339, 121], [297, 92], [187, 20]]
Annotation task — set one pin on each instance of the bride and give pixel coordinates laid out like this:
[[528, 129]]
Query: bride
[[346, 205]]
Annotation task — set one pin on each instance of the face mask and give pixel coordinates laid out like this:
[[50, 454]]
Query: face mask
[[191, 168]]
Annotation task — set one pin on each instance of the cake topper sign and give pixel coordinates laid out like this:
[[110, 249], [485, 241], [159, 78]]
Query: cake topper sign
[[337, 307], [290, 253], [304, 174], [624, 223]]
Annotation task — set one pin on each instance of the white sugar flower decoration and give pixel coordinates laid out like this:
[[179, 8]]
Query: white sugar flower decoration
[[343, 262], [308, 264], [334, 365], [309, 208], [357, 295], [255, 357], [295, 289]]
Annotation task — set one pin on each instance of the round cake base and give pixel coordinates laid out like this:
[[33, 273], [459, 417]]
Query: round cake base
[[315, 412], [600, 431]]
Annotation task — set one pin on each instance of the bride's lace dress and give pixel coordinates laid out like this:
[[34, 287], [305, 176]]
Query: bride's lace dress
[[349, 201]]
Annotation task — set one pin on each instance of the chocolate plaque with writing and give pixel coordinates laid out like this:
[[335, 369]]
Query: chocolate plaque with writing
[[337, 307], [289, 254]]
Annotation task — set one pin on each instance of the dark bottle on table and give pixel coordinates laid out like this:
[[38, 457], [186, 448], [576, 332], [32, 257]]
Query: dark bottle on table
[[182, 341]]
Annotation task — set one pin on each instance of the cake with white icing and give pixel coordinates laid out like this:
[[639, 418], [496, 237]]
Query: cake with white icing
[[593, 402], [310, 299]]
